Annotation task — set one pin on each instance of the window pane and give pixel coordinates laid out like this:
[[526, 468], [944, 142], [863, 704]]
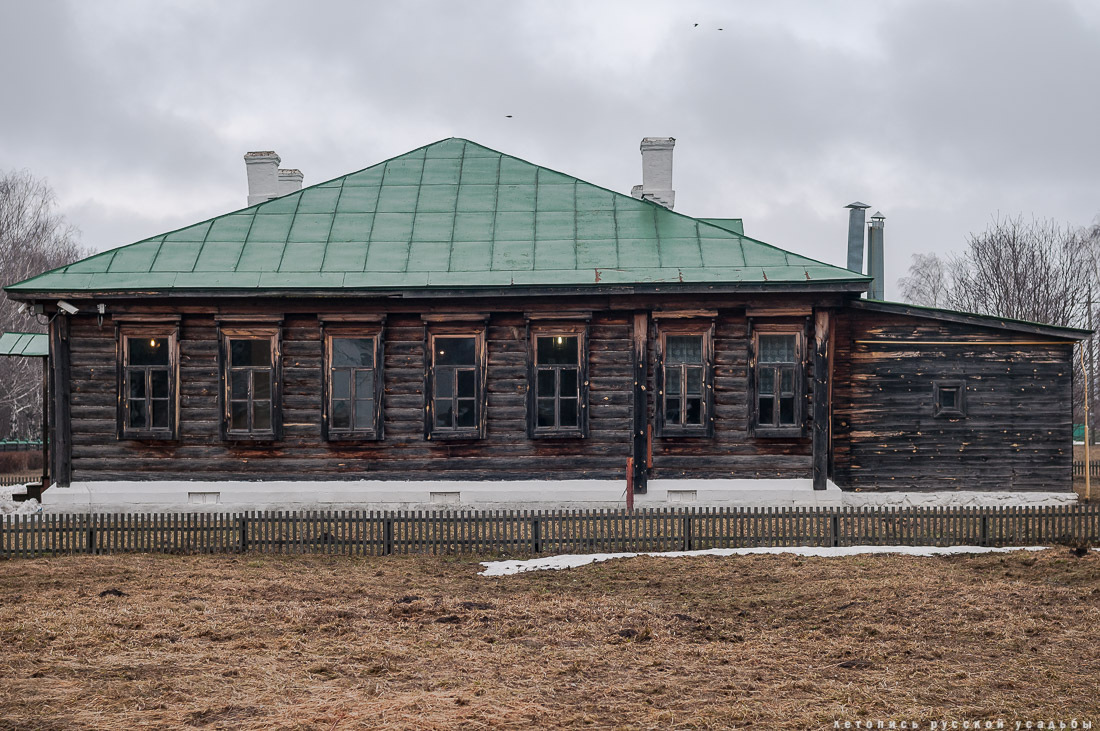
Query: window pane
[[767, 410], [786, 410], [364, 384], [364, 414], [672, 410], [148, 351], [568, 409], [160, 414], [466, 384], [546, 412], [443, 413], [341, 414], [238, 419], [444, 383], [466, 415], [137, 414], [137, 384], [250, 352], [160, 383], [684, 349], [767, 381], [239, 383], [694, 414], [786, 380], [261, 416], [777, 348], [694, 383], [341, 383], [556, 350], [672, 381], [568, 382], [261, 385], [949, 398], [357, 352], [545, 383], [455, 351]]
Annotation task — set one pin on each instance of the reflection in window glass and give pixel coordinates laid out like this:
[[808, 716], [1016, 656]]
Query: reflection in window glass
[[351, 385], [557, 375], [455, 385], [776, 374], [147, 388], [684, 378]]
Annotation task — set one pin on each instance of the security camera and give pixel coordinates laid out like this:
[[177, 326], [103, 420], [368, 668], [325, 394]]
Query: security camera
[[21, 308], [68, 307]]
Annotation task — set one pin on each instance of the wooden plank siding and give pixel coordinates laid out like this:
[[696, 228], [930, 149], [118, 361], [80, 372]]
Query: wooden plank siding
[[1017, 428]]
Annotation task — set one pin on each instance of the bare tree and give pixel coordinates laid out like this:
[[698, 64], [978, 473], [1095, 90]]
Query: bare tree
[[33, 239], [1039, 271], [927, 283]]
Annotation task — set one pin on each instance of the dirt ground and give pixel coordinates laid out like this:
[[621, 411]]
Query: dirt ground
[[423, 642]]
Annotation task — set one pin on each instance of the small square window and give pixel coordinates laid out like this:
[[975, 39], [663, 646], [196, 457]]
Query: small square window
[[948, 398]]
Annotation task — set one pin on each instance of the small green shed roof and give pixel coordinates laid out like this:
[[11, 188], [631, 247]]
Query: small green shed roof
[[35, 345], [449, 215]]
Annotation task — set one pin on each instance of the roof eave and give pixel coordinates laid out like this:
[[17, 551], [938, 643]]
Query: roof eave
[[971, 318]]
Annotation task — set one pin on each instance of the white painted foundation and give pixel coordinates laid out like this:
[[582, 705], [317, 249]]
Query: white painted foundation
[[184, 496]]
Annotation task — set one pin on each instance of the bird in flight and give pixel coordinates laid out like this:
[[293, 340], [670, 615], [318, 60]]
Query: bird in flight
[[509, 116]]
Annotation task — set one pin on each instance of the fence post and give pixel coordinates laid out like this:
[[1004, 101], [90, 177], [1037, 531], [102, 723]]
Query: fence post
[[91, 534], [834, 530], [242, 533], [985, 530], [387, 536], [687, 532], [536, 535]]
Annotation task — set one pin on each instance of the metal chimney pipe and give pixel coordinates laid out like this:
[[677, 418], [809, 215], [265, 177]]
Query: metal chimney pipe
[[856, 222], [875, 267]]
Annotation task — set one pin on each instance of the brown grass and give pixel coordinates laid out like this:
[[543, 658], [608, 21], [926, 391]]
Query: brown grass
[[421, 642]]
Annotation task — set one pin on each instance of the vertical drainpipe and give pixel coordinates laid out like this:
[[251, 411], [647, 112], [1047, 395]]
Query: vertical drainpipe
[[875, 266], [856, 222]]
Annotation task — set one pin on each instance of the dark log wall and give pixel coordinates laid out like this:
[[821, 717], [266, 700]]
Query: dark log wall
[[731, 453], [1017, 430], [506, 452]]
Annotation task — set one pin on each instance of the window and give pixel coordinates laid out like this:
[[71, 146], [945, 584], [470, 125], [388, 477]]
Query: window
[[353, 407], [948, 398], [251, 380], [558, 393], [778, 382], [456, 385], [147, 383], [685, 387]]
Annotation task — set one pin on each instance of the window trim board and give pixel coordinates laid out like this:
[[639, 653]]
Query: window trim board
[[795, 431], [240, 331], [546, 328], [162, 329], [478, 331], [676, 327], [344, 330]]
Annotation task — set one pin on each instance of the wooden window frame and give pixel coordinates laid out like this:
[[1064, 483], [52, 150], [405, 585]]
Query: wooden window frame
[[273, 333], [950, 413], [123, 332], [542, 329], [330, 332], [767, 431], [434, 332], [698, 329]]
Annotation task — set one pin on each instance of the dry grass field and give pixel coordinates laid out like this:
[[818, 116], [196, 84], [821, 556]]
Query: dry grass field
[[421, 642]]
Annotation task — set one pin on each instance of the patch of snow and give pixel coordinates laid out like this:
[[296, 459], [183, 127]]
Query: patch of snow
[[8, 506], [570, 561]]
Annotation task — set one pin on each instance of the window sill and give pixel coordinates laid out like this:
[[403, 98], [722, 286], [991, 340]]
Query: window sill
[[255, 437], [558, 434], [352, 436], [150, 436], [470, 435], [696, 433], [778, 432]]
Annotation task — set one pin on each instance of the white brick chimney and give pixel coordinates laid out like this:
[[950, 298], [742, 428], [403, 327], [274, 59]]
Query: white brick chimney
[[266, 180], [656, 172]]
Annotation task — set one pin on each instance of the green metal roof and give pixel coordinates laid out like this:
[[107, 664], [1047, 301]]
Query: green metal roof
[[730, 224], [35, 345], [452, 214]]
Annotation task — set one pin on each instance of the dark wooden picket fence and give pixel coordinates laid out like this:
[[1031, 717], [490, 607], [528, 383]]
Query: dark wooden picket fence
[[9, 480], [1079, 468], [535, 532]]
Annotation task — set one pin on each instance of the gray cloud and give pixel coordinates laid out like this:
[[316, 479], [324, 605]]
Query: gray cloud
[[940, 113]]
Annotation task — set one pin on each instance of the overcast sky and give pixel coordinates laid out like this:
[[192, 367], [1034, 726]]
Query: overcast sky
[[940, 114]]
